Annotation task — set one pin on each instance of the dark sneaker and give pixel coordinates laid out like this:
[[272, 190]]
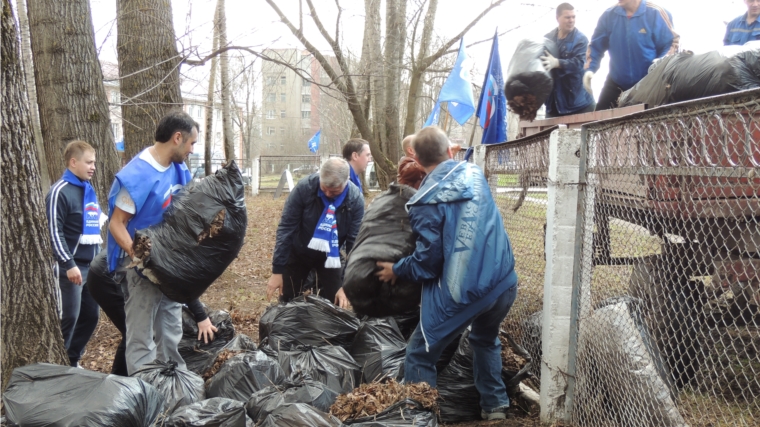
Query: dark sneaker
[[495, 414]]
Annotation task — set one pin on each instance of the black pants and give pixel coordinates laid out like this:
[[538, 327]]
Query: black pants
[[79, 314], [327, 281], [110, 297], [608, 99]]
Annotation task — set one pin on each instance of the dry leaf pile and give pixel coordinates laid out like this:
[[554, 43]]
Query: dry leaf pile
[[372, 399], [526, 106], [215, 227], [223, 356]]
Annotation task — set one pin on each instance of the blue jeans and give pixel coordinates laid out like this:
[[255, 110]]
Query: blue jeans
[[79, 316], [486, 347]]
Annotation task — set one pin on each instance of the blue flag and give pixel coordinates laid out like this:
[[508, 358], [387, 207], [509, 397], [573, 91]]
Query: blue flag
[[457, 90], [314, 142], [492, 105], [434, 115]]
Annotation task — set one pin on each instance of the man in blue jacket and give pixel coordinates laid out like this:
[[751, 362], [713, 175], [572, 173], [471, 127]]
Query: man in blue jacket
[[568, 96], [744, 28], [635, 32], [464, 260]]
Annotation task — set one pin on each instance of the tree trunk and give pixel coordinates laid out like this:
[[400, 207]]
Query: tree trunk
[[148, 69], [31, 331], [209, 137], [395, 45], [34, 113], [377, 88], [71, 96], [415, 83], [224, 61]]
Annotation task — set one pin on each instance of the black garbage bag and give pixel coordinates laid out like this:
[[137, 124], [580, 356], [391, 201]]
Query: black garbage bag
[[407, 322], [61, 396], [214, 412], [179, 387], [314, 393], [189, 327], [385, 235], [407, 412], [307, 320], [198, 355], [330, 365], [244, 374], [686, 76], [379, 349], [201, 234], [267, 349], [447, 354], [299, 414], [459, 399], [528, 84]]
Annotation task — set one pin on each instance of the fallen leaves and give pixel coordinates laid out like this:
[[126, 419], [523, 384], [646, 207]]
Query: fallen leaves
[[373, 398]]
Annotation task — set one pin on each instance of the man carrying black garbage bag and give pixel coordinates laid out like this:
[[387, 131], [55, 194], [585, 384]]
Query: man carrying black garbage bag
[[322, 213], [464, 261]]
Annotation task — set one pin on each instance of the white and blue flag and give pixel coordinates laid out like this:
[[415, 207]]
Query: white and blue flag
[[314, 142]]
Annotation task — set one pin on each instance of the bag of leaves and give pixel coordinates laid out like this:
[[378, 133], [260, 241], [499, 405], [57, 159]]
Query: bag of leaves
[[304, 390], [200, 356], [528, 84], [379, 349], [201, 234], [405, 413], [459, 398], [243, 375], [214, 412], [407, 322], [385, 235], [299, 414], [179, 387], [330, 365], [61, 396], [307, 320]]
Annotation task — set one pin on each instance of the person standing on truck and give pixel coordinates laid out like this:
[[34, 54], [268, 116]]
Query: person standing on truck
[[635, 32], [568, 96], [744, 28], [357, 154]]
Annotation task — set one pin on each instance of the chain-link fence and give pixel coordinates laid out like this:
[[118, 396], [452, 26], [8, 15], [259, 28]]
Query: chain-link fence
[[271, 168], [517, 173], [668, 322]]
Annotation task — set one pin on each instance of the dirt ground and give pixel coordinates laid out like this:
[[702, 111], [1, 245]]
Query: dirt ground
[[241, 290]]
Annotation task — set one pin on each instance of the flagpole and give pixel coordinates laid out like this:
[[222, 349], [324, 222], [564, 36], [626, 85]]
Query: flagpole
[[472, 134]]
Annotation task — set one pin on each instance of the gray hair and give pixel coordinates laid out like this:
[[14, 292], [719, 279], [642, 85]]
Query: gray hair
[[334, 173]]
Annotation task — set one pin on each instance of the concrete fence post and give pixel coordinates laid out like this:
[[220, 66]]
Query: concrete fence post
[[479, 156], [561, 218], [255, 168]]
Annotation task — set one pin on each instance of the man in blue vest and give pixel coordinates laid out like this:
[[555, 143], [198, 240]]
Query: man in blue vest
[[568, 96], [744, 28], [635, 32], [357, 154], [464, 261], [139, 196]]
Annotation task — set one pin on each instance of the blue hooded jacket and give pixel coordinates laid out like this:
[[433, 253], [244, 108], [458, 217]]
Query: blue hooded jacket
[[634, 43], [463, 256], [568, 95]]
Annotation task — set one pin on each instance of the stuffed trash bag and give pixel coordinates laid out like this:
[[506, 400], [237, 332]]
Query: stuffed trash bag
[[201, 234], [299, 414], [243, 375], [385, 235], [528, 83], [307, 320], [459, 398], [214, 412], [178, 386], [304, 390], [330, 365], [379, 349], [61, 396], [199, 356], [404, 413]]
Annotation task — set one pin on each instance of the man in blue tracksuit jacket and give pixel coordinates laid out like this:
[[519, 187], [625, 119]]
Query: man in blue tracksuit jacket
[[568, 95], [464, 260], [635, 32], [744, 28]]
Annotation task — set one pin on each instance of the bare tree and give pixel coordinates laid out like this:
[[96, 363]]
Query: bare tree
[[71, 96], [224, 62], [31, 330], [209, 141], [148, 68]]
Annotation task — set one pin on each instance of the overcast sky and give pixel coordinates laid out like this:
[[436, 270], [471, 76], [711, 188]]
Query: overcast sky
[[701, 24]]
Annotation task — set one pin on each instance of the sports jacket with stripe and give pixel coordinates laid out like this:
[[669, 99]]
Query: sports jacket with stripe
[[64, 210]]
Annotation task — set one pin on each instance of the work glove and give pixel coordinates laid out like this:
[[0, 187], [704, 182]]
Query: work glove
[[549, 61], [587, 82]]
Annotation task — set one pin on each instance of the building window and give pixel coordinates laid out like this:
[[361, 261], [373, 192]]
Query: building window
[[190, 110], [218, 136], [282, 131], [272, 97], [306, 99], [282, 114], [218, 114], [271, 80], [305, 114], [282, 97], [306, 83], [305, 131], [283, 80], [115, 130], [270, 114], [270, 130], [115, 97], [199, 111]]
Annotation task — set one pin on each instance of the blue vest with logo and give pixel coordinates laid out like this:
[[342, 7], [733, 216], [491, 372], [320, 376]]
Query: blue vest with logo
[[150, 190]]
